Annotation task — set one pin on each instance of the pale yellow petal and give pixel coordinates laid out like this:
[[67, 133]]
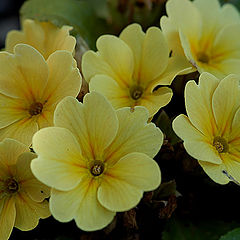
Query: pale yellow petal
[[198, 100], [28, 212], [10, 150], [118, 55], [89, 122], [137, 169], [134, 37], [156, 100], [19, 76], [93, 64], [36, 190], [7, 217], [186, 16], [64, 78], [155, 54], [229, 14], [134, 135], [195, 143], [215, 172], [226, 101], [118, 195], [44, 36], [45, 119], [12, 110], [59, 163], [235, 128], [118, 96], [22, 130], [226, 67], [91, 215]]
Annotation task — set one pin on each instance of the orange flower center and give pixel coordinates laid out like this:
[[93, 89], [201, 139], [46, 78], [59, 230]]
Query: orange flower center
[[35, 108], [97, 168], [136, 92], [11, 186], [220, 144]]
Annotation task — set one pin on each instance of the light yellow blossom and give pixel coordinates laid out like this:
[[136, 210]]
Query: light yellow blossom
[[30, 88], [97, 160], [211, 132], [22, 196], [43, 36], [129, 70], [207, 33]]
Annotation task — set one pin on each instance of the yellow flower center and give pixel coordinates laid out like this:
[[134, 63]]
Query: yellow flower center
[[203, 57], [35, 108], [220, 144], [97, 168], [136, 92], [11, 186]]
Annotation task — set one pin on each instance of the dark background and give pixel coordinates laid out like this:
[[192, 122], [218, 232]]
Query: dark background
[[9, 17]]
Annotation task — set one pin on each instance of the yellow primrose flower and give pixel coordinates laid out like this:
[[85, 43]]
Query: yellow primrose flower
[[104, 163], [211, 132], [22, 196], [206, 32], [30, 88], [43, 36], [128, 70]]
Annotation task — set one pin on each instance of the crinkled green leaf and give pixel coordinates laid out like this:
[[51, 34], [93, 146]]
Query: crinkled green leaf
[[79, 14], [232, 235], [182, 229]]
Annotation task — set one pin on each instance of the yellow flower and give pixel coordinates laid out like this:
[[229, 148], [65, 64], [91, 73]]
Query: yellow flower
[[22, 196], [43, 36], [207, 33], [211, 132], [97, 160], [128, 70], [30, 88]]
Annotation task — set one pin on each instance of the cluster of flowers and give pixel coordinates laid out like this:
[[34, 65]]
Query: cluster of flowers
[[95, 158]]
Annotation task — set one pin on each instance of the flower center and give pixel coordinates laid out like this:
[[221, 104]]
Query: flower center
[[97, 168], [136, 92], [11, 185], [220, 144], [35, 108], [203, 57]]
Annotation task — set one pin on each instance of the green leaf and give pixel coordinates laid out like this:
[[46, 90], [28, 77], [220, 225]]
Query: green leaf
[[165, 124], [79, 14], [182, 229], [232, 235]]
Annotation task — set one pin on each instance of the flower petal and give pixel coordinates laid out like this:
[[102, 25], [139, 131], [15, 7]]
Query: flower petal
[[28, 212], [93, 64], [10, 150], [7, 217], [137, 169], [117, 195], [19, 76], [94, 127], [12, 110], [156, 100], [195, 143], [155, 54], [59, 163], [232, 166], [214, 171], [91, 215], [235, 128], [21, 130], [36, 190], [64, 78], [134, 135], [107, 86], [44, 36], [134, 37], [198, 100], [224, 111], [118, 55]]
